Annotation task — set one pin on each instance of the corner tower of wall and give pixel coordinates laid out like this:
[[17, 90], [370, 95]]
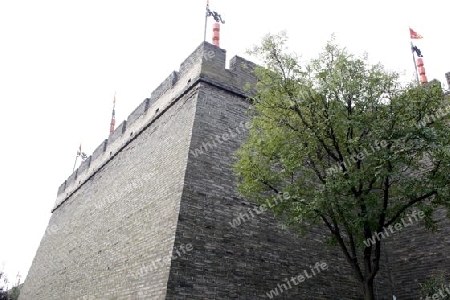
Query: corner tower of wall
[[238, 252], [115, 217], [205, 57]]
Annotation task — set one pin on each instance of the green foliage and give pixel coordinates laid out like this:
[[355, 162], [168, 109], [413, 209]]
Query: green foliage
[[354, 148], [435, 285], [3, 294], [14, 293]]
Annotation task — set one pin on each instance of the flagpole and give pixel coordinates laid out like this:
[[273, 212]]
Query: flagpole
[[206, 20], [414, 35], [76, 157], [415, 64], [113, 116], [206, 23]]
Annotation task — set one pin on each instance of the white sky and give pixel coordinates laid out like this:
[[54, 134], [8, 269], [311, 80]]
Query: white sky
[[61, 62]]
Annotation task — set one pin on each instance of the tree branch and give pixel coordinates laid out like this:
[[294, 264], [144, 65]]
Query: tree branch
[[351, 260], [408, 205]]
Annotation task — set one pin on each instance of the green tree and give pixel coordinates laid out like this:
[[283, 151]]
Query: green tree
[[14, 293], [3, 294], [436, 285], [356, 150]]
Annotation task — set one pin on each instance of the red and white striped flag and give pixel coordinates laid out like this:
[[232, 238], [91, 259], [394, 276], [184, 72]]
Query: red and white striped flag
[[414, 35]]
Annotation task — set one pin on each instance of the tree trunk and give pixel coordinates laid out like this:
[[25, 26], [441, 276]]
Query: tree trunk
[[368, 290]]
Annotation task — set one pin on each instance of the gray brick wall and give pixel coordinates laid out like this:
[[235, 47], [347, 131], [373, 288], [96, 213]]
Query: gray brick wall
[[416, 254], [148, 193], [122, 220], [247, 261]]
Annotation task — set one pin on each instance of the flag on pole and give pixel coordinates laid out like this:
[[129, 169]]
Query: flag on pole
[[414, 35], [81, 154], [217, 17], [417, 50]]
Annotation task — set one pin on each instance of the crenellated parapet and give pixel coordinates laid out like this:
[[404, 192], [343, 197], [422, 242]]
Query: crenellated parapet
[[205, 64]]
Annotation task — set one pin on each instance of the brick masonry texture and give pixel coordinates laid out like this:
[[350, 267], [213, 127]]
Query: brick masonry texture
[[145, 191], [416, 254], [123, 219], [247, 261]]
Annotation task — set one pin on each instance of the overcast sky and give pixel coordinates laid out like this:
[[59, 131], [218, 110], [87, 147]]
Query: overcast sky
[[61, 62]]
